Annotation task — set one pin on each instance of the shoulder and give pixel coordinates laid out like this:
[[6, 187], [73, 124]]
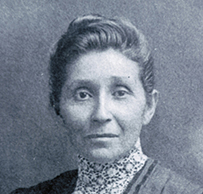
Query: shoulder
[[162, 180], [65, 182]]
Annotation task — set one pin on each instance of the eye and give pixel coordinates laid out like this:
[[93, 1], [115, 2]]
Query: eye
[[120, 93], [82, 95]]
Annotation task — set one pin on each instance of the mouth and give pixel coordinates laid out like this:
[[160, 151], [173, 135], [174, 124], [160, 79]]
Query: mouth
[[104, 135]]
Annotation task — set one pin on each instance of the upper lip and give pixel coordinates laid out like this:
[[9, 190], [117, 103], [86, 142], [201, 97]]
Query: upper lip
[[101, 135]]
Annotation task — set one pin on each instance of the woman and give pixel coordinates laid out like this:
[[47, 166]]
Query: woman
[[102, 87]]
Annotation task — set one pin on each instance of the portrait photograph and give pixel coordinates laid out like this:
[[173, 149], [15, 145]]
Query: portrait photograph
[[101, 97]]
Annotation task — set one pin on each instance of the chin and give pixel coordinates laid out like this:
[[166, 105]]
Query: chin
[[102, 155]]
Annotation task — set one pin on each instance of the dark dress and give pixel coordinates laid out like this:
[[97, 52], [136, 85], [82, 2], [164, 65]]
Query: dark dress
[[151, 179]]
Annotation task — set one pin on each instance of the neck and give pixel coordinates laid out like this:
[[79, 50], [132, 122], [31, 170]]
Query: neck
[[99, 176], [136, 147]]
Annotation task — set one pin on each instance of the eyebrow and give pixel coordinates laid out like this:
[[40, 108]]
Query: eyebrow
[[87, 82], [80, 82], [120, 79]]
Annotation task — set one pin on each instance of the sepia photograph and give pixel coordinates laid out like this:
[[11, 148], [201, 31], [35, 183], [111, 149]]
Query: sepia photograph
[[101, 97]]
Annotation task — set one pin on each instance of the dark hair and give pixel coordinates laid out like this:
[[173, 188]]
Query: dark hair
[[94, 32]]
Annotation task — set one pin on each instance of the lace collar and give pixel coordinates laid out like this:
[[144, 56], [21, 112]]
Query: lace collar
[[110, 177]]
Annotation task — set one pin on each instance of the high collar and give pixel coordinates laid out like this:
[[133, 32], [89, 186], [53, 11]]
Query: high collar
[[97, 178]]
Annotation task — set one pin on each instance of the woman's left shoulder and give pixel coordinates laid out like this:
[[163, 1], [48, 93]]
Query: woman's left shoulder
[[166, 181]]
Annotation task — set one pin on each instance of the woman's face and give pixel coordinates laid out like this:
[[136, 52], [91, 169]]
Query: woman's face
[[103, 105]]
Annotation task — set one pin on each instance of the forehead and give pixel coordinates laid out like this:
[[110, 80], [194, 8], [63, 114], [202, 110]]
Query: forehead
[[109, 63]]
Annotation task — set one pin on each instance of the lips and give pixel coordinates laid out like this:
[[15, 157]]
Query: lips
[[104, 135]]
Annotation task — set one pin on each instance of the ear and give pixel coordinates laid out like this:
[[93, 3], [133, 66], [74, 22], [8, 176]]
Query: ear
[[150, 109]]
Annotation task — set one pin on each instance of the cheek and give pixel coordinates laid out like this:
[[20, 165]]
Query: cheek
[[75, 118], [130, 111], [75, 123], [130, 117]]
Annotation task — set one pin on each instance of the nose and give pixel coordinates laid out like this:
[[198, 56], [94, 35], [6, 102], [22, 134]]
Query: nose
[[101, 113]]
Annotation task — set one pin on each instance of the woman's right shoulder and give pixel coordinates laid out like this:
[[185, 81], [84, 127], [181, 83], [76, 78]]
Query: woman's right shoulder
[[65, 182]]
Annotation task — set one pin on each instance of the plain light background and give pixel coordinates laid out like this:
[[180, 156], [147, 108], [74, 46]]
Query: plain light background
[[34, 148]]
